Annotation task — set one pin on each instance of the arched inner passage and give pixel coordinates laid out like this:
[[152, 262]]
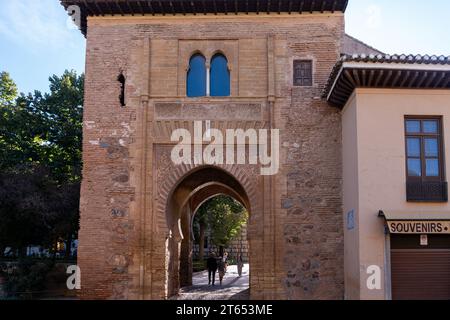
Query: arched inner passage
[[188, 196]]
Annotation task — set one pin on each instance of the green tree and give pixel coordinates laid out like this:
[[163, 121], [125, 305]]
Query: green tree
[[56, 125], [8, 89], [224, 217], [40, 162]]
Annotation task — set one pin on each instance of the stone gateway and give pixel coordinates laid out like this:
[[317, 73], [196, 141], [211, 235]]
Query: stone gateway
[[137, 204]]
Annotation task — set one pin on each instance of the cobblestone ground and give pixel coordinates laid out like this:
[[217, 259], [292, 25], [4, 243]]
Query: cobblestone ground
[[233, 287]]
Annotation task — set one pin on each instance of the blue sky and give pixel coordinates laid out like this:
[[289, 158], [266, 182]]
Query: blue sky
[[36, 40]]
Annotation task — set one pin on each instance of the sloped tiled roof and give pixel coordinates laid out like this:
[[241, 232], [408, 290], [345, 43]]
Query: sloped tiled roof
[[386, 71], [396, 58], [351, 45]]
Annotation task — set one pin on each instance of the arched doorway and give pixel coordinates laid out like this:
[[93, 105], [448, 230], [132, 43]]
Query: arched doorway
[[188, 195]]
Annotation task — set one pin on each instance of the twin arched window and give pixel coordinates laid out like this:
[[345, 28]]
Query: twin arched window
[[203, 81]]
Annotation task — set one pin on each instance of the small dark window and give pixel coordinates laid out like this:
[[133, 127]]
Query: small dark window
[[121, 80], [425, 159], [303, 73]]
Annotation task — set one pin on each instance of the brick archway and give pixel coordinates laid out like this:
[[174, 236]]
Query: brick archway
[[239, 172], [193, 187]]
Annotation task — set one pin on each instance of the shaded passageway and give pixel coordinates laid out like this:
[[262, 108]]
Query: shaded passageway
[[233, 287]]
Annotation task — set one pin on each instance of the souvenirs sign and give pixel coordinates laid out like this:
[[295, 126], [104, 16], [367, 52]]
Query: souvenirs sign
[[419, 227]]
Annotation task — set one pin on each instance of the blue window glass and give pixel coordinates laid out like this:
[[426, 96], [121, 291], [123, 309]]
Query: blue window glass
[[414, 168], [220, 76], [413, 126], [196, 77], [432, 167], [413, 147], [430, 126], [431, 147]]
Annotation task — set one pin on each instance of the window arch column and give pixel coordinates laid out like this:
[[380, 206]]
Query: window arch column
[[208, 78]]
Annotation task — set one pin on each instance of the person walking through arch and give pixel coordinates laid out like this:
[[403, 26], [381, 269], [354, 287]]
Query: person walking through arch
[[225, 260], [222, 268], [240, 265], [211, 264]]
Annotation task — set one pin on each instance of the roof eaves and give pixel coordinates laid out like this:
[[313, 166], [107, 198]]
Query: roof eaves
[[400, 63]]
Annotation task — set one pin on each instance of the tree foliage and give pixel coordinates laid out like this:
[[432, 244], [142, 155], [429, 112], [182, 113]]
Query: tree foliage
[[8, 89], [224, 217], [40, 161]]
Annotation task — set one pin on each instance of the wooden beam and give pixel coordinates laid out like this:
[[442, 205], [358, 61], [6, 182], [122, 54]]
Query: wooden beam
[[350, 78], [388, 77], [183, 8], [111, 11], [340, 102], [405, 79], [371, 75], [438, 82], [356, 77], [433, 76], [120, 8], [141, 9], [413, 80], [380, 76], [215, 7], [171, 7], [99, 10], [397, 77], [322, 9], [337, 91], [301, 5], [364, 77], [345, 83], [313, 2], [422, 80], [344, 80], [88, 8], [194, 11], [204, 7], [446, 81], [129, 7], [225, 6], [333, 8], [161, 8]]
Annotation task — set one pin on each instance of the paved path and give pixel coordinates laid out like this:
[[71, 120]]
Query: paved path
[[233, 287]]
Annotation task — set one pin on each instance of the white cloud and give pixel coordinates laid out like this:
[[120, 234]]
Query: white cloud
[[374, 16], [34, 23]]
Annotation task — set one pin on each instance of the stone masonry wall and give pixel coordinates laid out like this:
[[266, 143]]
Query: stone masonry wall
[[298, 229], [238, 245]]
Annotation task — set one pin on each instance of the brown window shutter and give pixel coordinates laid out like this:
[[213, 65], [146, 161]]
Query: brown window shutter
[[303, 73]]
